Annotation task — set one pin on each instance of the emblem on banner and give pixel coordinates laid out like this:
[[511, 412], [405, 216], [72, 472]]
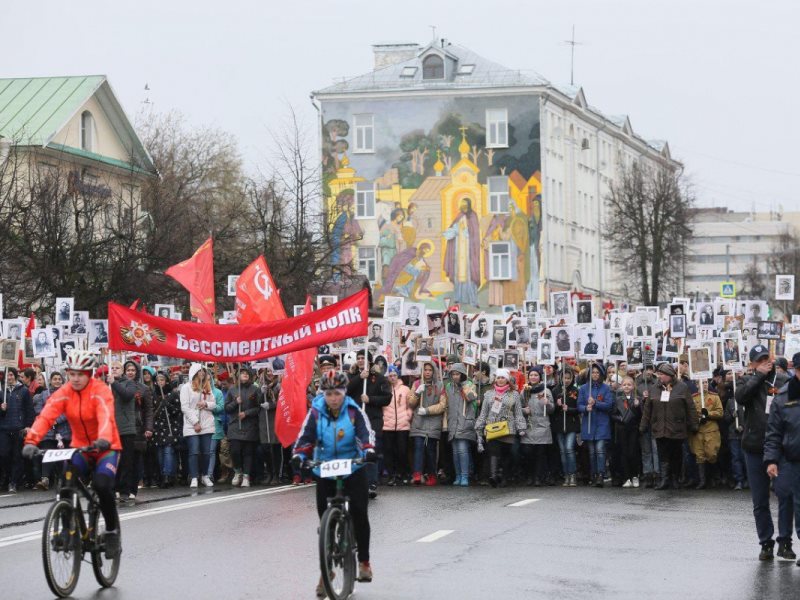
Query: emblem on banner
[[140, 334]]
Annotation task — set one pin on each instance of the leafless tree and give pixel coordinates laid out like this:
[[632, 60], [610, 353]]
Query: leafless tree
[[648, 228]]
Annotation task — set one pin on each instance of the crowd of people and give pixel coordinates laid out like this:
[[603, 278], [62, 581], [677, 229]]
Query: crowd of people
[[568, 424]]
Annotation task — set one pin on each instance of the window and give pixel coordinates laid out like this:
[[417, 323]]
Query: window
[[465, 70], [499, 261], [433, 67], [408, 72], [498, 195], [87, 131], [365, 137], [368, 262], [496, 128], [365, 201]]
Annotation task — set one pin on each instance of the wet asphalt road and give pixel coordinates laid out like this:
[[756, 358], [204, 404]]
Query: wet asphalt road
[[570, 543]]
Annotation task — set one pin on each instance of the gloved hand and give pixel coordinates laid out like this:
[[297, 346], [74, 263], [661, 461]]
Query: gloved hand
[[29, 451], [102, 445], [265, 405], [297, 462], [422, 411], [521, 433], [480, 445], [420, 389], [370, 456], [704, 412]]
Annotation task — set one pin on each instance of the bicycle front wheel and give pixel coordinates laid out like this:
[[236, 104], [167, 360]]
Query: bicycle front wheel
[[105, 569], [61, 548], [337, 553]]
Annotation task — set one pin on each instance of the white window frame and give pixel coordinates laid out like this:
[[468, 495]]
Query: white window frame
[[363, 263], [365, 201], [498, 251], [497, 128], [466, 69], [360, 133], [409, 72], [88, 138], [498, 200]]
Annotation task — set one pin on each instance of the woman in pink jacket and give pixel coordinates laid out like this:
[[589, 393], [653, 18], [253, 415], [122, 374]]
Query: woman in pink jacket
[[396, 428]]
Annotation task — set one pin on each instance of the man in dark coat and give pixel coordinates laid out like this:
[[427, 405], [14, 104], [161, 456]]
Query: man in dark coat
[[16, 416], [378, 394], [756, 394], [670, 414]]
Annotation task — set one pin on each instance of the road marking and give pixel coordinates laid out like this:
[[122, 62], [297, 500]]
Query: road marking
[[37, 535], [524, 502], [436, 535]]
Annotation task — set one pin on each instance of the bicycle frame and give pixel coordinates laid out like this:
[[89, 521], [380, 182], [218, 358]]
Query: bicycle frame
[[73, 489]]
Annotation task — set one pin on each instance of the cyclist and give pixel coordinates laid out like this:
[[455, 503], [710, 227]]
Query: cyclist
[[89, 406], [336, 428]]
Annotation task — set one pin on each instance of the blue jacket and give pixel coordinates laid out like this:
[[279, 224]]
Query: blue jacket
[[347, 436], [19, 413], [600, 414], [61, 426], [782, 441]]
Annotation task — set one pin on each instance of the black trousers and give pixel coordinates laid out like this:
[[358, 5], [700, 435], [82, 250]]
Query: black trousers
[[629, 451], [356, 488], [500, 456], [671, 451], [535, 460], [126, 472], [395, 453], [242, 453]]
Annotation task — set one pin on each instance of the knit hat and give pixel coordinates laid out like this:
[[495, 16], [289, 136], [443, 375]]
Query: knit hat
[[666, 369], [393, 371], [796, 361], [599, 366], [503, 373], [782, 363]]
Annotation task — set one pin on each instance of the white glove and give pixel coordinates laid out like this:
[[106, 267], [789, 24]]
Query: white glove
[[265, 405], [422, 411], [421, 389]]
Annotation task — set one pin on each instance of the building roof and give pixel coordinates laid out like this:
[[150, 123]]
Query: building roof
[[430, 189], [34, 110], [485, 73]]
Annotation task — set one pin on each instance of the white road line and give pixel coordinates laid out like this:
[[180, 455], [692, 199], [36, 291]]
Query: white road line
[[37, 535], [524, 502], [436, 535]]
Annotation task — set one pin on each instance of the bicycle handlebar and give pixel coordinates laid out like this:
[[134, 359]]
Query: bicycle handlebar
[[310, 464], [40, 452]]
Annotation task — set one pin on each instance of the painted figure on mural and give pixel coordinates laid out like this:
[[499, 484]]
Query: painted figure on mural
[[462, 254], [511, 228], [534, 239], [409, 272], [391, 240], [346, 230]]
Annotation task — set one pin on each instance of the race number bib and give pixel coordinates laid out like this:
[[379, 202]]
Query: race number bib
[[769, 403], [58, 455], [665, 396], [497, 406], [336, 468]]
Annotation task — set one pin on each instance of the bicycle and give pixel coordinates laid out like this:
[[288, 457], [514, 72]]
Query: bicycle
[[337, 545], [66, 536]]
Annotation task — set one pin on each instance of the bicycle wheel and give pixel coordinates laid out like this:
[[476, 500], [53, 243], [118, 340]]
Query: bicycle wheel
[[105, 570], [337, 558], [61, 549]]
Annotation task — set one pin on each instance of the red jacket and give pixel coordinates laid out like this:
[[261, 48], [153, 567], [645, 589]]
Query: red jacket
[[90, 413]]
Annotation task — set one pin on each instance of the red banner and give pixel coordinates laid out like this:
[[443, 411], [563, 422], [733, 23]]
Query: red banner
[[257, 300], [196, 274], [133, 331], [292, 403]]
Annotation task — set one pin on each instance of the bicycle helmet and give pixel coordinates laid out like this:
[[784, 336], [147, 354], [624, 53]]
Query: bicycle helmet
[[334, 381], [80, 360]]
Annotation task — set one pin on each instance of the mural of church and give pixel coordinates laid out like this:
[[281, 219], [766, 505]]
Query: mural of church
[[449, 218]]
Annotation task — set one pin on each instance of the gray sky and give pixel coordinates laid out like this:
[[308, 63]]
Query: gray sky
[[717, 78]]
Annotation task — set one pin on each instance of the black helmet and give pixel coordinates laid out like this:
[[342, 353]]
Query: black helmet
[[334, 381]]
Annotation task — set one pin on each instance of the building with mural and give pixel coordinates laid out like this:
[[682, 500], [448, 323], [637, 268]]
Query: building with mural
[[450, 178]]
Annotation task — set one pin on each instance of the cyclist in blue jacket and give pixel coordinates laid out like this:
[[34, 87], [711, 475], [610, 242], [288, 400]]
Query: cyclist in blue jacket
[[336, 428]]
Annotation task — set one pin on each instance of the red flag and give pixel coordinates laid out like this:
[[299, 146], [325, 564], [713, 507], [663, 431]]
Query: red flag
[[31, 325], [196, 274], [292, 403], [257, 300]]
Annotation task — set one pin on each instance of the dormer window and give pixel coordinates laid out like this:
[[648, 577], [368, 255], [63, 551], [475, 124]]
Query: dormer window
[[87, 131], [465, 70], [408, 72], [433, 67]]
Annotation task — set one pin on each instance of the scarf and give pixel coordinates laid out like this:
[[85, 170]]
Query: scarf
[[500, 390]]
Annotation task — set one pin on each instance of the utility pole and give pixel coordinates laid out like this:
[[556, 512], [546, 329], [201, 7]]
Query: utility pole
[[728, 261], [572, 43]]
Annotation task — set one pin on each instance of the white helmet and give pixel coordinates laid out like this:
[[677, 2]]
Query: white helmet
[[80, 360]]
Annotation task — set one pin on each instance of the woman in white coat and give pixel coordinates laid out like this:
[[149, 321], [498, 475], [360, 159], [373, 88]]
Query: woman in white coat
[[197, 405]]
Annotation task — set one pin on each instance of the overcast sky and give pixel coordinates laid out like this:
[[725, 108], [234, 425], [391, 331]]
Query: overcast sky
[[717, 78]]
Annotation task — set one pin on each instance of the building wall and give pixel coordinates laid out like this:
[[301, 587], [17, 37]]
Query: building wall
[[107, 141], [430, 153]]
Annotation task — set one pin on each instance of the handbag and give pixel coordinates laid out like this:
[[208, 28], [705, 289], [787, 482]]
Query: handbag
[[497, 430]]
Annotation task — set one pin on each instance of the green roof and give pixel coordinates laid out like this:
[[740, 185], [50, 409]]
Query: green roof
[[33, 110], [114, 162]]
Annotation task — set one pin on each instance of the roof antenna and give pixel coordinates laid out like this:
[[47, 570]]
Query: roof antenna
[[433, 31], [572, 43]]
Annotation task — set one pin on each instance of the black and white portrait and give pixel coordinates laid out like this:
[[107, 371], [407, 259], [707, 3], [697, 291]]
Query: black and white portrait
[[393, 309], [414, 317], [65, 346], [8, 353], [480, 329], [297, 309], [755, 312], [232, 279], [98, 333], [43, 346], [677, 326], [164, 310], [323, 301], [80, 322], [770, 330], [784, 287], [511, 360], [560, 303], [64, 308], [563, 341], [583, 311], [544, 353], [435, 323], [454, 324], [424, 347], [12, 329], [591, 343], [376, 336], [499, 335], [470, 354], [616, 344]]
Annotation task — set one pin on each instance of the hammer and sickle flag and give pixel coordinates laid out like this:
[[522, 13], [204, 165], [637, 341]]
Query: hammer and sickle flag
[[196, 274]]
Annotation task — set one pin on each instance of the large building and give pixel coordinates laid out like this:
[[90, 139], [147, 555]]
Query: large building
[[726, 244], [448, 176]]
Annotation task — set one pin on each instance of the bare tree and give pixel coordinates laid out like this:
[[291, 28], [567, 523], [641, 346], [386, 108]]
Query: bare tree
[[753, 282], [648, 228]]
